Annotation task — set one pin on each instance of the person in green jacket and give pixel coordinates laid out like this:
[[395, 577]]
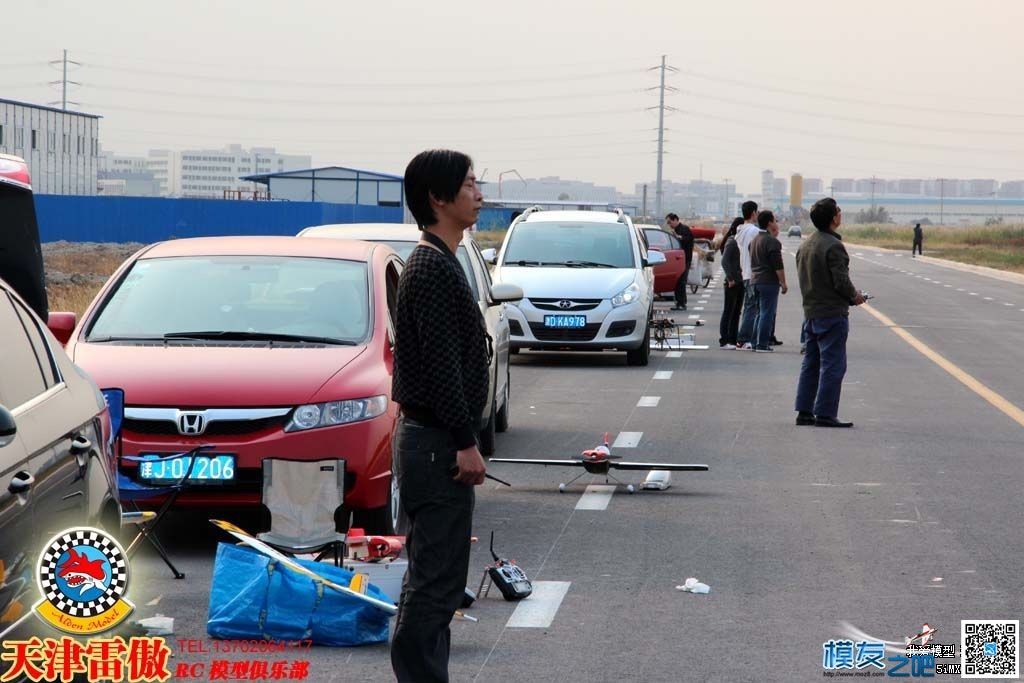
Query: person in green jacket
[[823, 270]]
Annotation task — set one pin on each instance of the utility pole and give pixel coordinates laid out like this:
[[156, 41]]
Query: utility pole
[[726, 210], [645, 201], [658, 192], [63, 82]]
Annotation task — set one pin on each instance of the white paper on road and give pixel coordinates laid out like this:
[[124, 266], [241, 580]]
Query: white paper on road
[[596, 497], [539, 610]]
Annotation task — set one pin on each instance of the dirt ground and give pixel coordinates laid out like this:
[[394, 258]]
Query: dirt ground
[[75, 271]]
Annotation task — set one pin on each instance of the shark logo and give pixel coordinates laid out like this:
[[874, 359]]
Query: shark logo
[[81, 572]]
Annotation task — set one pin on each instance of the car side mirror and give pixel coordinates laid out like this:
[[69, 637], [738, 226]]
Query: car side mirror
[[491, 256], [62, 325], [502, 292], [655, 258], [8, 427]]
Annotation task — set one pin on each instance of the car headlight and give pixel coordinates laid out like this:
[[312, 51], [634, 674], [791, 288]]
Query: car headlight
[[627, 296], [313, 415]]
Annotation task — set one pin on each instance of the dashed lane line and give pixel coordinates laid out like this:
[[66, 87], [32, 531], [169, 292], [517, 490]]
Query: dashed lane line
[[539, 610], [663, 374], [627, 439], [648, 402], [596, 497]]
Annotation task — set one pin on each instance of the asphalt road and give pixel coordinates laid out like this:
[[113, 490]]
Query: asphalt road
[[913, 516]]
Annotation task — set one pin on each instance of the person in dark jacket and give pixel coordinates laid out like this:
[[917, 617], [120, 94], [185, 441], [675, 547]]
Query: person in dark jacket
[[918, 241], [769, 277], [686, 239], [823, 268], [730, 322], [441, 382]]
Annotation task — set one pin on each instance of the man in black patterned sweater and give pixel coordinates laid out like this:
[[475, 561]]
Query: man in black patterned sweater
[[441, 382]]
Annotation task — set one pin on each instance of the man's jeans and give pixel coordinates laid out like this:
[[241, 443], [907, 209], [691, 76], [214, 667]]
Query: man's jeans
[[821, 375], [440, 518], [750, 306], [764, 325]]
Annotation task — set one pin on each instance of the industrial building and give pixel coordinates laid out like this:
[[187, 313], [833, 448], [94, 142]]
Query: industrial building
[[213, 173], [334, 185], [61, 147]]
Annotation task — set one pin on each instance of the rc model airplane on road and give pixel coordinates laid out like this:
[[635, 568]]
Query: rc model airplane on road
[[601, 461]]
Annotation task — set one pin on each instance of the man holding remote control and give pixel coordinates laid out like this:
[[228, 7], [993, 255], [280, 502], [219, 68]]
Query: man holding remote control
[[823, 270]]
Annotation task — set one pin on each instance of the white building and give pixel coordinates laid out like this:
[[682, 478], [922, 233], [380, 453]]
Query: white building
[[61, 147], [215, 174]]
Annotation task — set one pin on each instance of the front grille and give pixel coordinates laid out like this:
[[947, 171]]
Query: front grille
[[622, 328], [577, 304], [225, 428], [515, 328], [572, 334]]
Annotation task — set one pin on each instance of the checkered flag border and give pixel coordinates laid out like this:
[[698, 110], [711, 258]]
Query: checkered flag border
[[116, 588]]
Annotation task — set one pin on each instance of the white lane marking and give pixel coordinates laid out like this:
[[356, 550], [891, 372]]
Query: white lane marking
[[663, 374], [693, 317], [1008, 304], [947, 285], [679, 354], [960, 289], [649, 401], [627, 439], [538, 610], [698, 308], [596, 497], [974, 294], [988, 298]]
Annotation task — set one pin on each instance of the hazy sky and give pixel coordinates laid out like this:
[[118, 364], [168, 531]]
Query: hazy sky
[[894, 88]]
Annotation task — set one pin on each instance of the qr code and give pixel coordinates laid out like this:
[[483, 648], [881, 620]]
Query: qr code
[[990, 648]]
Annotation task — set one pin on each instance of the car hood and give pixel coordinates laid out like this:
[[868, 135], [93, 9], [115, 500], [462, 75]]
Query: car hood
[[583, 283], [211, 376]]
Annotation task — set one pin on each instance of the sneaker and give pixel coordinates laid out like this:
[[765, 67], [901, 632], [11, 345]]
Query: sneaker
[[745, 347], [727, 347]]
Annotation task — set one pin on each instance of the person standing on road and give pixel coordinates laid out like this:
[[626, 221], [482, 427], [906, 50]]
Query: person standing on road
[[745, 234], [768, 276], [823, 269], [441, 383], [686, 239], [732, 308], [918, 241]]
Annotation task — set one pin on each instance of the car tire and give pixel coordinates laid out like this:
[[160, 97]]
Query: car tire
[[502, 416], [640, 356], [377, 521], [487, 433]]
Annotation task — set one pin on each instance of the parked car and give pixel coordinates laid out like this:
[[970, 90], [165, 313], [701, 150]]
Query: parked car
[[260, 346], [587, 278], [57, 469], [491, 299], [21, 257], [794, 231], [667, 274]]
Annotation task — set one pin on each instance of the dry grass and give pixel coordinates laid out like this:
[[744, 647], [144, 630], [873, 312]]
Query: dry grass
[[999, 247], [76, 271]]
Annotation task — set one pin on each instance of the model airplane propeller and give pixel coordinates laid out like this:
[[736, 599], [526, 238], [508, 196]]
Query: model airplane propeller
[[601, 461]]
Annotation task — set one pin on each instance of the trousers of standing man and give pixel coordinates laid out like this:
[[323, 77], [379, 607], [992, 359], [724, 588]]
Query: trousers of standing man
[[750, 307], [916, 249], [680, 291], [824, 366], [439, 511], [729, 326], [764, 324]]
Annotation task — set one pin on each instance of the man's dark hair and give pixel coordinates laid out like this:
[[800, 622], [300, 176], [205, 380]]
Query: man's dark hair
[[437, 173], [671, 217], [764, 218], [822, 213], [748, 209]]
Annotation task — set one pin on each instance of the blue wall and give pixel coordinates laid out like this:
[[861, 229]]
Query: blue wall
[[153, 219], [494, 218]]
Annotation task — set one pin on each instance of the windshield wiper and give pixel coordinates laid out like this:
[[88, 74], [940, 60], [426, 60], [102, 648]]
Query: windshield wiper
[[110, 338], [237, 335], [588, 264], [524, 263]]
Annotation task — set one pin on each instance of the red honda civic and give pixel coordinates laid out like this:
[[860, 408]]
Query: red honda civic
[[260, 346]]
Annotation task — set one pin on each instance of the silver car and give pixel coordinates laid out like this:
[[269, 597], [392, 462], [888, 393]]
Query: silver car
[[491, 299]]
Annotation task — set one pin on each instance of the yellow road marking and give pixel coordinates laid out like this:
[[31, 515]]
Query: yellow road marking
[[1011, 411]]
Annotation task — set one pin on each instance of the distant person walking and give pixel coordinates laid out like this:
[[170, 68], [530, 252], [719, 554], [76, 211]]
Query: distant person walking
[[823, 269], [686, 239], [918, 241], [729, 325], [768, 278], [745, 234]]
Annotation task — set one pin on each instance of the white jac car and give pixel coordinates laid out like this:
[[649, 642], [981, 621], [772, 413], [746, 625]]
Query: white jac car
[[587, 280]]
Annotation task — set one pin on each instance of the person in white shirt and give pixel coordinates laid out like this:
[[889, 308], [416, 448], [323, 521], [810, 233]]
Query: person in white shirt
[[745, 234]]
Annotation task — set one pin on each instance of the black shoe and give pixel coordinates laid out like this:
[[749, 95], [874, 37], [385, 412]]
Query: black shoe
[[776, 342], [830, 422], [804, 419]]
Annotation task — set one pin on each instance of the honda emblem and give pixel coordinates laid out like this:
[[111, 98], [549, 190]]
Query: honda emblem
[[191, 423]]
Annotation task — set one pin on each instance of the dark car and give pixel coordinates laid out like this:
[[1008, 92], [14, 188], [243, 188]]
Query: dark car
[[57, 470]]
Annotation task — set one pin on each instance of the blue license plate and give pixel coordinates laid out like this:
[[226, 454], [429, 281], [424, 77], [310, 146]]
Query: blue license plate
[[565, 321], [207, 468]]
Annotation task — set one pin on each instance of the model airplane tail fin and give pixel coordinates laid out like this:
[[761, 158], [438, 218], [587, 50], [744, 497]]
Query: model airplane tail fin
[[606, 439]]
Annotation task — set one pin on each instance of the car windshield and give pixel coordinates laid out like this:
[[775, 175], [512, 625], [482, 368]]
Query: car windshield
[[403, 249], [587, 245], [243, 296]]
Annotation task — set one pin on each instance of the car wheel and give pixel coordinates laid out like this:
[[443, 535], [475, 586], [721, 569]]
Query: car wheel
[[501, 417], [487, 433], [641, 356]]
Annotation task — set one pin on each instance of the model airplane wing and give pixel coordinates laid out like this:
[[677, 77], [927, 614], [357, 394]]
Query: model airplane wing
[[525, 461], [672, 467]]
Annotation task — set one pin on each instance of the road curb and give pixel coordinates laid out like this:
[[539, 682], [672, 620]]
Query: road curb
[[993, 273]]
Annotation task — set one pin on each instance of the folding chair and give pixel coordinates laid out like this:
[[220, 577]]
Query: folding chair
[[131, 491], [302, 497]]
